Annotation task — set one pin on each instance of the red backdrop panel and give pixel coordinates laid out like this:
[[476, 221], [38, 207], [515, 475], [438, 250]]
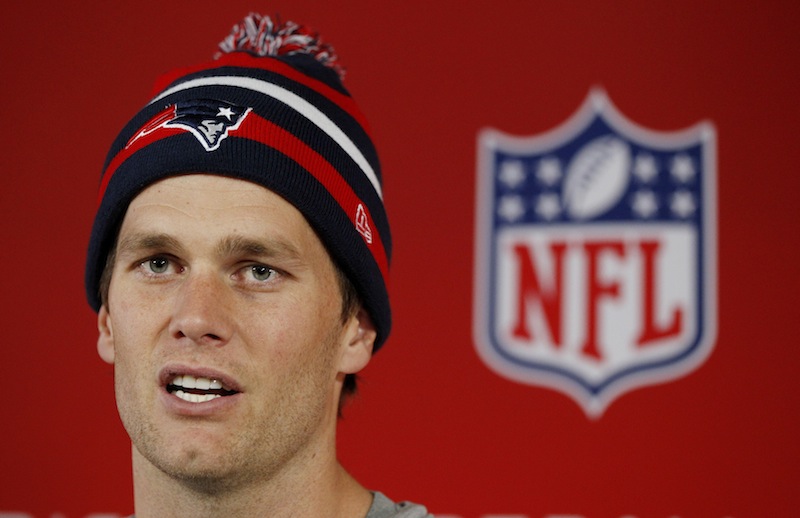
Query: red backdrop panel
[[432, 423]]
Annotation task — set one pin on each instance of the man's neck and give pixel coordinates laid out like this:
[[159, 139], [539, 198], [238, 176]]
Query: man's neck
[[325, 489]]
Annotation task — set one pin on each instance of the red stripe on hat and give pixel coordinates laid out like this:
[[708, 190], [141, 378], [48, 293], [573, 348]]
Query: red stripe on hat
[[152, 131], [245, 60], [266, 132]]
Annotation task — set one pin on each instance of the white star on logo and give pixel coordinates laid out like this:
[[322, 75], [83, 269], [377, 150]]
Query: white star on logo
[[683, 204], [682, 168], [549, 171], [226, 112], [644, 203], [645, 167], [512, 173], [511, 208], [548, 206]]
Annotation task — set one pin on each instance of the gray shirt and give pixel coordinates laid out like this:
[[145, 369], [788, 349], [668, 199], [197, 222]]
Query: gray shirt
[[382, 507]]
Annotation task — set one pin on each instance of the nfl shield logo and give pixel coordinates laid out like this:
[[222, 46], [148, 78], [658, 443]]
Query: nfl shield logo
[[596, 253]]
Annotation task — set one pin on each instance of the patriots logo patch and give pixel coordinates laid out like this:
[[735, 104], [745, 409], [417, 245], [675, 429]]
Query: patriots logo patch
[[209, 120]]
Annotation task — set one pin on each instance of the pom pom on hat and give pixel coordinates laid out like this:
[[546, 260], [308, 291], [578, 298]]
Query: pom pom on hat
[[262, 36]]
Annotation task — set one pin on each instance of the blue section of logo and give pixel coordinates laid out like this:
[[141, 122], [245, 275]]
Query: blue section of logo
[[665, 184]]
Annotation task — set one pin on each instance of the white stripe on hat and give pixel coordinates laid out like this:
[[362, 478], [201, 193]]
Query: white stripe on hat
[[294, 101]]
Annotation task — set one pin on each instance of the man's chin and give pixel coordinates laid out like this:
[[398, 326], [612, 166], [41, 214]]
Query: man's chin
[[204, 468]]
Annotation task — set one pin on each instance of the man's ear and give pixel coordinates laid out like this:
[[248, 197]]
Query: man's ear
[[359, 340], [105, 339]]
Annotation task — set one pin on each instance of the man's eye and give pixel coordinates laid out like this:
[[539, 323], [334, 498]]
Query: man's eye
[[157, 264], [261, 272]]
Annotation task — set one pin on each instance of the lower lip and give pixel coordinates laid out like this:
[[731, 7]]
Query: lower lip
[[214, 407]]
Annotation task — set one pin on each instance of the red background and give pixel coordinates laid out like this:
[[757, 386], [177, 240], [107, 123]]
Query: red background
[[433, 423]]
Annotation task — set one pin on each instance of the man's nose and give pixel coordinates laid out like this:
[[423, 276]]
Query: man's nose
[[202, 310]]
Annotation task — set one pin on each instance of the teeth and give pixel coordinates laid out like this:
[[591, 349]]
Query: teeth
[[195, 398], [190, 382]]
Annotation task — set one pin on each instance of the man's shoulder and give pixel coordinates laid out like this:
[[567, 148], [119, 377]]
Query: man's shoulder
[[382, 507]]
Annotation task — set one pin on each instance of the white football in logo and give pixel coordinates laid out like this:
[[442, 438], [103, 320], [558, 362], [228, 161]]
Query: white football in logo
[[597, 177]]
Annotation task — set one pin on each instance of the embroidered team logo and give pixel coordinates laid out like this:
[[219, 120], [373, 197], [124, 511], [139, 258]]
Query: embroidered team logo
[[596, 252], [210, 121]]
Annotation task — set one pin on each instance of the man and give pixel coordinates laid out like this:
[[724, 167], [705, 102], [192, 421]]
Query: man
[[238, 265]]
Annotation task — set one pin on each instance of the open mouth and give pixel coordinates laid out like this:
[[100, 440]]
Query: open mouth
[[197, 390]]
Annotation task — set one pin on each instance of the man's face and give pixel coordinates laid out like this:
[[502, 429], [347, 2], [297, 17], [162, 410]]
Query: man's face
[[222, 285]]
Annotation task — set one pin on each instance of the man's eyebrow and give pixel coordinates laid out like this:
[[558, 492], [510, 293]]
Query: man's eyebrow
[[144, 241], [239, 245]]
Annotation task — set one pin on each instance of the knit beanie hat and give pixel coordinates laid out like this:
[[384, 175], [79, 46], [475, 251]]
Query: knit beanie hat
[[270, 109]]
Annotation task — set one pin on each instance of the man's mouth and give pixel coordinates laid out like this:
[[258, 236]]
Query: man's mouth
[[197, 390]]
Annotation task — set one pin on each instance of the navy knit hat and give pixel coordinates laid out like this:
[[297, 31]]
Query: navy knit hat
[[270, 109]]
